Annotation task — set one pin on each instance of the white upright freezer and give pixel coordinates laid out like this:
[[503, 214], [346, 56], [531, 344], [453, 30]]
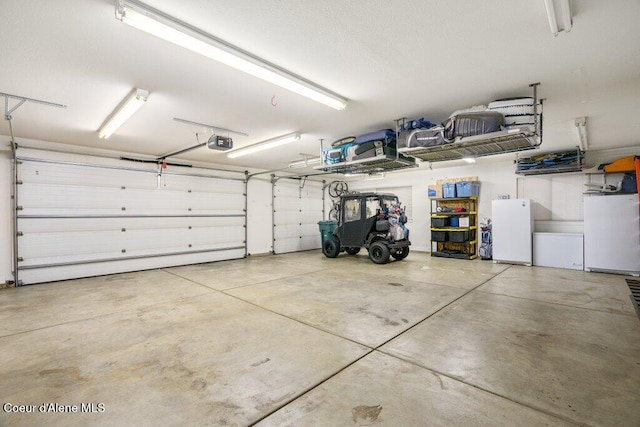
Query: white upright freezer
[[612, 233], [512, 228]]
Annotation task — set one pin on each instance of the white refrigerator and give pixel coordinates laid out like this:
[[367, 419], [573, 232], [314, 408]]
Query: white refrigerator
[[612, 233], [511, 233]]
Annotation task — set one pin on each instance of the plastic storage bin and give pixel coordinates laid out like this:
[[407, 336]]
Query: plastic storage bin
[[448, 190], [439, 236], [440, 222], [468, 188], [326, 229], [464, 221], [459, 236], [454, 221]]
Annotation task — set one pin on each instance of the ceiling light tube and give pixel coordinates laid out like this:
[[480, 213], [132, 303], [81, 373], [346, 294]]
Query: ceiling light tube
[[264, 145], [161, 25], [581, 126], [551, 16], [469, 159], [558, 9], [304, 163], [565, 21], [123, 112]]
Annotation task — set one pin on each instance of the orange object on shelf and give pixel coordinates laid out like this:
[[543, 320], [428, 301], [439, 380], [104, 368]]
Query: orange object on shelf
[[623, 164]]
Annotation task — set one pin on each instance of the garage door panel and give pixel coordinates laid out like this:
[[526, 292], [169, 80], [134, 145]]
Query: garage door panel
[[286, 217], [286, 245], [312, 205], [68, 244], [307, 217], [76, 215], [217, 201], [185, 182], [310, 230], [66, 174], [63, 272], [287, 231], [98, 224], [37, 199], [309, 242], [171, 238], [298, 208]]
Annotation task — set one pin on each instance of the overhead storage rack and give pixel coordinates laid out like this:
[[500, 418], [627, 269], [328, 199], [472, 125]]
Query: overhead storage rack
[[512, 139], [389, 160], [504, 141]]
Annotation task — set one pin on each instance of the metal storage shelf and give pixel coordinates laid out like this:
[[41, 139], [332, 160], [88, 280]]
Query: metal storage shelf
[[572, 166], [550, 170], [451, 249], [448, 214], [378, 164], [504, 141], [453, 228]]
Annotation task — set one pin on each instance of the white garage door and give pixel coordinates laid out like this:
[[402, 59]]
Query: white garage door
[[82, 216], [297, 208]]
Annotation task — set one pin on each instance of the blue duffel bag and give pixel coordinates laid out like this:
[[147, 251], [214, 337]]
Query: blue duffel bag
[[385, 135]]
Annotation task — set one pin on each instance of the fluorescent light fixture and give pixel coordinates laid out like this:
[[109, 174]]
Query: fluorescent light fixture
[[304, 163], [123, 112], [166, 27], [581, 127], [264, 145], [559, 15], [469, 159]]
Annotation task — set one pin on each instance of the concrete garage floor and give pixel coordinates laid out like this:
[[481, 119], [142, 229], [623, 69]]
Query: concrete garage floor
[[299, 339]]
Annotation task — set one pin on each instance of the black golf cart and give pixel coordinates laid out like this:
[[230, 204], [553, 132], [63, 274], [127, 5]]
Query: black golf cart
[[372, 220]]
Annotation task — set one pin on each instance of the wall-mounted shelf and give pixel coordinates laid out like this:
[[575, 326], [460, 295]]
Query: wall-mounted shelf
[[550, 163]]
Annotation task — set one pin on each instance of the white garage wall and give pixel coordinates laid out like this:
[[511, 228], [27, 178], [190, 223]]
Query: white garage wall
[[496, 176], [556, 197], [259, 218]]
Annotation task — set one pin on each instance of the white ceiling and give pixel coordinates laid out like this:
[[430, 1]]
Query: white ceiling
[[391, 59]]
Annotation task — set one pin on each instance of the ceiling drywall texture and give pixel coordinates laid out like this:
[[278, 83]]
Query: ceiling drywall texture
[[392, 59]]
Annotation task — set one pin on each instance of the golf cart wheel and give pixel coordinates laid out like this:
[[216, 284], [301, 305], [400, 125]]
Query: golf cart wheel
[[353, 250], [331, 247], [379, 253], [401, 253]]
